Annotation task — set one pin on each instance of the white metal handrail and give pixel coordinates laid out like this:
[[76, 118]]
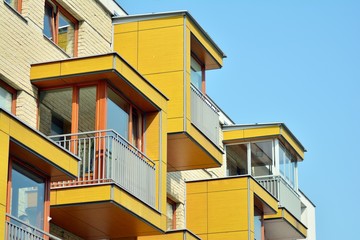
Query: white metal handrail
[[20, 230], [107, 157], [204, 115]]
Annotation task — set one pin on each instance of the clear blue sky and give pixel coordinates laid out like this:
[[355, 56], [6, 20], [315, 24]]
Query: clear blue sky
[[296, 62]]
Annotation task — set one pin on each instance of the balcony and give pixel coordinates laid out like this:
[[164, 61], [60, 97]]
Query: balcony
[[283, 192], [107, 157], [204, 115], [162, 47], [17, 229]]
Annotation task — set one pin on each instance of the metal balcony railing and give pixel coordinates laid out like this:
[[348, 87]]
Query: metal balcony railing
[[19, 230], [204, 115], [106, 157], [283, 192]]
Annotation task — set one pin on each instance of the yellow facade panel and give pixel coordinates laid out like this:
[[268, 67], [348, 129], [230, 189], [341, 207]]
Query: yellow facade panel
[[2, 221], [293, 143], [127, 46], [80, 195], [137, 207], [205, 42], [4, 161], [197, 213], [171, 84], [161, 23], [152, 131], [228, 235], [125, 27], [294, 222], [263, 194], [161, 58], [143, 86], [45, 70], [43, 147], [228, 211], [175, 125], [85, 65], [233, 135], [215, 152], [228, 184], [261, 132], [197, 187]]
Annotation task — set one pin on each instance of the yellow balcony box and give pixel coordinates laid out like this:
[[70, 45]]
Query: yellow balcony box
[[173, 52], [104, 111], [227, 208]]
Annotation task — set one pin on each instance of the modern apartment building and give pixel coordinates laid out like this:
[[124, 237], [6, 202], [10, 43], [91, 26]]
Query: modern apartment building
[[106, 132]]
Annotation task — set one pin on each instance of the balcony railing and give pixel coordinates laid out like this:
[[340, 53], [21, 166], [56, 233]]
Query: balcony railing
[[106, 157], [204, 115], [283, 192], [19, 230]]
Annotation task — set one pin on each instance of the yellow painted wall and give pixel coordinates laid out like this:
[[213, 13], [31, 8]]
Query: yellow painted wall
[[223, 208], [218, 209], [4, 161]]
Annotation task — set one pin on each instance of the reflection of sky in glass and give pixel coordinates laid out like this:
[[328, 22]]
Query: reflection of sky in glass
[[117, 119], [24, 187], [47, 22]]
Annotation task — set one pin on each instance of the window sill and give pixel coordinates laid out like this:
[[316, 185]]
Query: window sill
[[59, 48], [16, 12]]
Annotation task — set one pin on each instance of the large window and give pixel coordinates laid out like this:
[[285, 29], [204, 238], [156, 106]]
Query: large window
[[16, 4], [197, 75], [7, 97], [60, 27], [258, 225], [27, 196], [255, 158]]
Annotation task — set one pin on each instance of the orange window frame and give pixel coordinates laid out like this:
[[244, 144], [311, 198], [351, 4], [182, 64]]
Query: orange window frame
[[56, 9], [12, 92], [46, 226], [18, 7]]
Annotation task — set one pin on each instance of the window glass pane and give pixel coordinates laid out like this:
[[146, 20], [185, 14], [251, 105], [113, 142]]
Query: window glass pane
[[5, 99], [48, 21], [66, 34], [261, 158], [55, 111], [117, 114], [27, 196], [236, 157], [257, 224], [287, 165], [87, 109], [196, 74]]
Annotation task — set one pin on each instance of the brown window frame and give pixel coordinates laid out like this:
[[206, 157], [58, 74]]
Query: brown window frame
[[13, 92], [12, 160], [56, 9], [173, 204]]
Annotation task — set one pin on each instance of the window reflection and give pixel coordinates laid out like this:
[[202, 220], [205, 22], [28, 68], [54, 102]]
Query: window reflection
[[117, 114], [27, 196], [5, 99], [261, 158], [236, 156], [196, 74]]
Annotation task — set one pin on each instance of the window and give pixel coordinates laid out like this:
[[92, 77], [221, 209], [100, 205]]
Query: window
[[255, 158], [287, 165], [124, 118], [60, 27], [197, 75], [7, 97], [15, 4], [27, 196], [170, 214]]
